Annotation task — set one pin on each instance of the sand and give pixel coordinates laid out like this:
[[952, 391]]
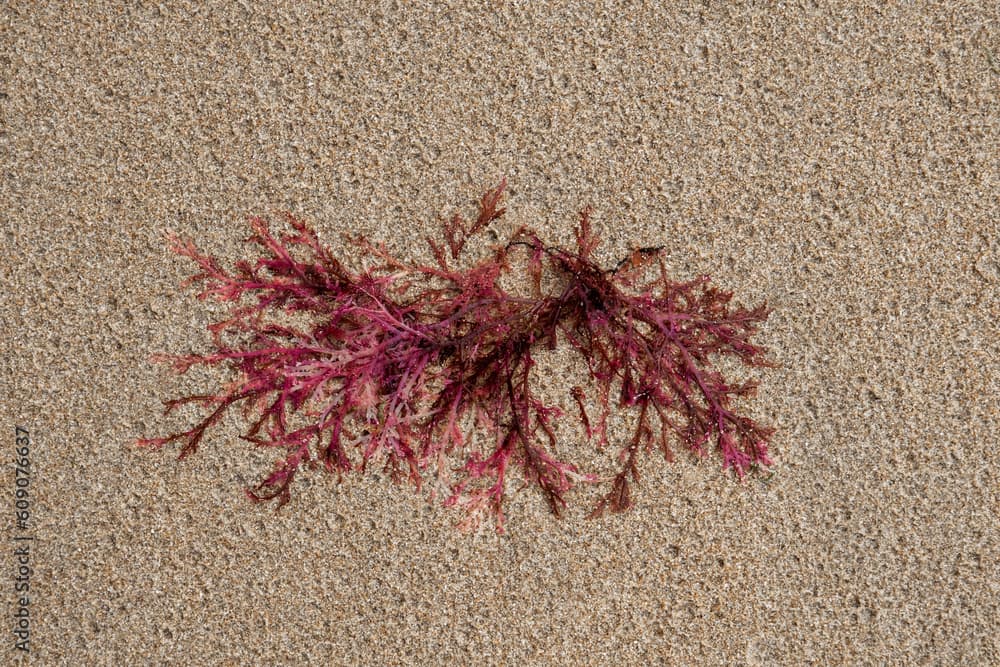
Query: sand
[[840, 161]]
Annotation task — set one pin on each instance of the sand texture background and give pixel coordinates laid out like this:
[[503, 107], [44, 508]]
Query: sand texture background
[[839, 160]]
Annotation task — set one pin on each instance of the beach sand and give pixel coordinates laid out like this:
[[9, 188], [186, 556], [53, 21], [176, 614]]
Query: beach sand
[[837, 160]]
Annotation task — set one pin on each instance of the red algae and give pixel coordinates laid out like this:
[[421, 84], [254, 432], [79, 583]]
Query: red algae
[[427, 371]]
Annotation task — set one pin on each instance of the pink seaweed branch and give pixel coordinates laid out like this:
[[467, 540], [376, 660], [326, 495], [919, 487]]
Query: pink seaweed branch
[[427, 371]]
